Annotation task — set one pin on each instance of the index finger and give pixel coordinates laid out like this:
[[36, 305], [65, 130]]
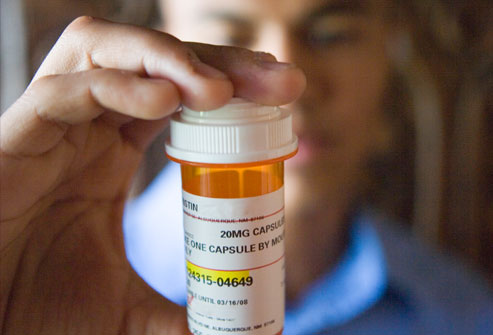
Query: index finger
[[89, 43]]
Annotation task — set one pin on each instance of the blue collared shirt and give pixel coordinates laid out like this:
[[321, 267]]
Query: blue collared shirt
[[385, 282]]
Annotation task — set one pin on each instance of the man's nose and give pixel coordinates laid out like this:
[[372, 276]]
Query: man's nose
[[275, 39]]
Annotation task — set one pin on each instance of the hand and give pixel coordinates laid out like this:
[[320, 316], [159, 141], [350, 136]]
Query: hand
[[69, 148]]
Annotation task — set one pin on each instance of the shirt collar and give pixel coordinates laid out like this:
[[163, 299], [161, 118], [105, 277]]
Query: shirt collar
[[356, 283]]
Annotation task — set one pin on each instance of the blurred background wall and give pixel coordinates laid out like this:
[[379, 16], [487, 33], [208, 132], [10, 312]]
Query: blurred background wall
[[436, 173]]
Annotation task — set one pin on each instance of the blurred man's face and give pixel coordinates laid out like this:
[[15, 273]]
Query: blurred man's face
[[340, 46]]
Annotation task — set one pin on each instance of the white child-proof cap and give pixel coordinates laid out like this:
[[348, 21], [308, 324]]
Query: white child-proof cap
[[239, 132]]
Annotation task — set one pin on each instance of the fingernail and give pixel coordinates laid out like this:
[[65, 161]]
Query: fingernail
[[208, 71], [276, 66]]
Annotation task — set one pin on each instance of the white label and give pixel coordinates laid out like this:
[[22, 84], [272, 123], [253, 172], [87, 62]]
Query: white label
[[235, 263]]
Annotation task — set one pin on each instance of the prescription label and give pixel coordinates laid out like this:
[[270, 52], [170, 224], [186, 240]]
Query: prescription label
[[235, 264]]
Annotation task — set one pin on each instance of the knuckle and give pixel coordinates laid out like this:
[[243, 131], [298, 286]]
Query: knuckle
[[41, 93], [81, 22], [42, 83], [169, 45], [185, 55], [43, 87], [79, 26]]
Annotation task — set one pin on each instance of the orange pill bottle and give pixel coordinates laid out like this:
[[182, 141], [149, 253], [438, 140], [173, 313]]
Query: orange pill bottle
[[232, 167]]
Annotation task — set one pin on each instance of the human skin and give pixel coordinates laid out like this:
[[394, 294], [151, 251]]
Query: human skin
[[341, 47], [69, 148]]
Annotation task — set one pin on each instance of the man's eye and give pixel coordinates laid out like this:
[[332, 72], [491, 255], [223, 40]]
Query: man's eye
[[225, 32], [328, 39], [332, 31]]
